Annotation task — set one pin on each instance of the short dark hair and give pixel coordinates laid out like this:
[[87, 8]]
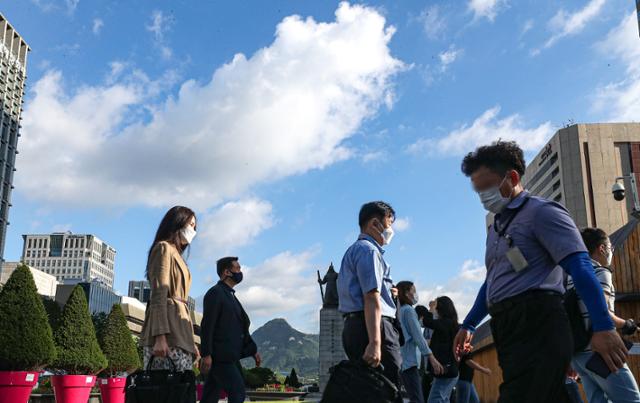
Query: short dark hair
[[376, 209], [500, 157], [226, 263], [593, 238]]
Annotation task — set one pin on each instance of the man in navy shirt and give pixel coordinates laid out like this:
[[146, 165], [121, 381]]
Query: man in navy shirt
[[365, 291], [530, 243]]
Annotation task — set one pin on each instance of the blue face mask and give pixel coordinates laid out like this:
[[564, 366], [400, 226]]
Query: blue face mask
[[236, 277]]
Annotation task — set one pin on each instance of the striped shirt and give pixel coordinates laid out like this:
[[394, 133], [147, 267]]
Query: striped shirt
[[605, 277]]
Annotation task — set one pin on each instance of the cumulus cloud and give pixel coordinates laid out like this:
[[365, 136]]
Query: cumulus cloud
[[488, 9], [620, 100], [233, 225], [281, 284], [449, 56], [485, 129], [565, 24], [285, 110], [462, 288]]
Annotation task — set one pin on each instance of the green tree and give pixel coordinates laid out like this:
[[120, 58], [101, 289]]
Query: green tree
[[118, 344], [76, 342], [293, 379], [258, 377], [99, 320], [25, 334], [54, 312]]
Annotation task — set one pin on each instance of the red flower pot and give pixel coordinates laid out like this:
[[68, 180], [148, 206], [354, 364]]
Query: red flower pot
[[16, 386], [199, 391], [112, 389], [72, 388]]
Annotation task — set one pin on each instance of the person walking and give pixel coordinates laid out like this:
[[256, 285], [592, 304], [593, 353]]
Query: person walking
[[415, 346], [531, 241], [167, 332], [444, 328], [620, 386], [465, 389], [225, 336]]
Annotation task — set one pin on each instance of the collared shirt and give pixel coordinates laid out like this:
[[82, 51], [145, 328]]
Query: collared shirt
[[415, 345], [364, 269], [545, 234]]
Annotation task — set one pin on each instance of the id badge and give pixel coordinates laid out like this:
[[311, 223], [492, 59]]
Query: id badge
[[517, 259]]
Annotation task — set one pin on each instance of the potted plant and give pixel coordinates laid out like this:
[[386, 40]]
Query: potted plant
[[27, 341], [79, 357], [120, 349]]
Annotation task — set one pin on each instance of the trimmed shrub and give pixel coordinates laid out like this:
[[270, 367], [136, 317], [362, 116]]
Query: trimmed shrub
[[118, 344], [26, 340], [76, 342]]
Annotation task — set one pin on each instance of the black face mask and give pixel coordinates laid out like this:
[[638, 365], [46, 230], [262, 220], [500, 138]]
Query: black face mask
[[236, 277]]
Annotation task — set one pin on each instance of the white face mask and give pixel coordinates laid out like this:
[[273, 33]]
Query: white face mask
[[493, 200], [387, 235], [609, 256], [415, 299], [188, 233]]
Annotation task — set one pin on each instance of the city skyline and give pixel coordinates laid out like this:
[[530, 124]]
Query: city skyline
[[276, 128]]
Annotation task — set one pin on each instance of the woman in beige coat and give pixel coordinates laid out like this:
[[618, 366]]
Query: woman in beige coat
[[167, 332]]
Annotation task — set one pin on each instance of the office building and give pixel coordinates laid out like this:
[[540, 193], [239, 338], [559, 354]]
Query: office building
[[580, 164], [70, 257], [45, 283], [140, 290], [100, 297], [13, 74]]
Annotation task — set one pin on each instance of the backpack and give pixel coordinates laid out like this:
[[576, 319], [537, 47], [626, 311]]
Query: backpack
[[352, 382], [581, 335]]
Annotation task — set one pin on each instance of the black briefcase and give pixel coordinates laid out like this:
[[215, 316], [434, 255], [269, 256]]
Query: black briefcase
[[356, 382], [161, 386]]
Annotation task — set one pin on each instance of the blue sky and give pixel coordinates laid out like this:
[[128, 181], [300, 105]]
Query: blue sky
[[276, 128]]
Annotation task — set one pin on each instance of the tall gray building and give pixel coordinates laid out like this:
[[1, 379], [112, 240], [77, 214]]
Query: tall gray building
[[140, 290], [70, 257], [13, 73], [578, 167]]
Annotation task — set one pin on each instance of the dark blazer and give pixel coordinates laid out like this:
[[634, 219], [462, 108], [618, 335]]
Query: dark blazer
[[225, 325]]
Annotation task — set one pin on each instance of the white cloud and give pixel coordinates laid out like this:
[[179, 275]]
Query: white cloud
[[566, 24], [488, 9], [160, 24], [484, 130], [57, 5], [97, 25], [620, 100], [283, 111], [402, 224], [71, 5], [233, 225], [449, 56], [462, 288], [528, 26], [281, 284], [433, 23]]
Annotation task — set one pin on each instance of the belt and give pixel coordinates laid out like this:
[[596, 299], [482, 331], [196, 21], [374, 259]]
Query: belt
[[509, 303], [180, 300], [360, 315]]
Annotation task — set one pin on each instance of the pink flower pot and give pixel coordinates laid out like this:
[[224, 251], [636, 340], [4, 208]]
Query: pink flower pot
[[16, 386], [112, 389], [72, 388]]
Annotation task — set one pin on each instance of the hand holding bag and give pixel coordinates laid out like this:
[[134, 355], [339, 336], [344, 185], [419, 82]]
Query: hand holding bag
[[161, 386]]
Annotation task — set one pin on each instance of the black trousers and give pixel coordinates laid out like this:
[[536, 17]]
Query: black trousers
[[534, 343], [355, 340], [227, 377]]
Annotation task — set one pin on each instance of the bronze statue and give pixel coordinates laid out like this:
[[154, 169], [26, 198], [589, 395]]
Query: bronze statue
[[330, 295]]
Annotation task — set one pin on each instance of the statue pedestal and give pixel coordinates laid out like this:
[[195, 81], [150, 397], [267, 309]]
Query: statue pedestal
[[331, 351]]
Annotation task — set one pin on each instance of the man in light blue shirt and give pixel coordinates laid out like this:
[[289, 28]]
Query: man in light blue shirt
[[365, 291]]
